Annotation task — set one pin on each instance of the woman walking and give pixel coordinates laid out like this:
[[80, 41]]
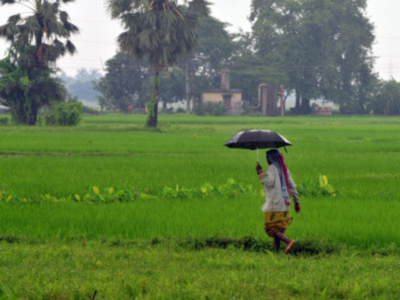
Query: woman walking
[[278, 186]]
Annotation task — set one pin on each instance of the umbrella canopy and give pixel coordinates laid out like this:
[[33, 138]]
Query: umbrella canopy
[[257, 139]]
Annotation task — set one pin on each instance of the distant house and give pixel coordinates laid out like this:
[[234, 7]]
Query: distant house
[[231, 98]]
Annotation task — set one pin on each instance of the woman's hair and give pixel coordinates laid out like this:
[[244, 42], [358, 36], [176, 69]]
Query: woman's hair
[[272, 154]]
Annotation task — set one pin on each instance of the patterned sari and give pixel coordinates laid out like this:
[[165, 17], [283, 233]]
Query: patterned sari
[[276, 221]]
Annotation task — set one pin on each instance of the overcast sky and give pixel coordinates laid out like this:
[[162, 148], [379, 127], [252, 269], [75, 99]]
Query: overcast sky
[[96, 42]]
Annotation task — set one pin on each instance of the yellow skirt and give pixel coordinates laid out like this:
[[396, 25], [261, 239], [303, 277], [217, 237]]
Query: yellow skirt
[[276, 221]]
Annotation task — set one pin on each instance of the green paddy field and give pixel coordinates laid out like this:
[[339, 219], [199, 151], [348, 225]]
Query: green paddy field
[[183, 230]]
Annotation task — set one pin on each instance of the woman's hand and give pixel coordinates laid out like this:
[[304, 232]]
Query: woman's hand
[[297, 208], [258, 168]]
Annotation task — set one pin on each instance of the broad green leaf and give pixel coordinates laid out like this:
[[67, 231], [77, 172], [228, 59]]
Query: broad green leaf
[[96, 190]]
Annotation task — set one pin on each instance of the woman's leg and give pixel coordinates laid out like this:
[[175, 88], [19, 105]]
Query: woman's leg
[[277, 243], [279, 235], [287, 241]]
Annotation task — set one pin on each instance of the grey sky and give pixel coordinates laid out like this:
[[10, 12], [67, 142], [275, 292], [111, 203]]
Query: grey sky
[[96, 42]]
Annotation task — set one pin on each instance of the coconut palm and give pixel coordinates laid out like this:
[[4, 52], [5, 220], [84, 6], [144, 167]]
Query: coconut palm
[[42, 26], [160, 31]]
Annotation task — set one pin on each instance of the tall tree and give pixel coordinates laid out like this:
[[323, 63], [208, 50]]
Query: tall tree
[[24, 84], [251, 68], [172, 86], [159, 31], [123, 82], [325, 46], [128, 82], [41, 29], [387, 99], [204, 63]]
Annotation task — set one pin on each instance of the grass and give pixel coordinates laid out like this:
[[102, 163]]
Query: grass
[[360, 161], [76, 270], [67, 250], [355, 223], [35, 160]]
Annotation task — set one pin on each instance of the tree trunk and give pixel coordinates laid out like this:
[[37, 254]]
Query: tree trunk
[[305, 106], [284, 101], [141, 102], [187, 86], [153, 106], [298, 96], [32, 116], [192, 96]]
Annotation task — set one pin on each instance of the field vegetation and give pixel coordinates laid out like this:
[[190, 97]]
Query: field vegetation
[[187, 223]]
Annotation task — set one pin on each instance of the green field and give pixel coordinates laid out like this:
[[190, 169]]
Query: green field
[[213, 245]]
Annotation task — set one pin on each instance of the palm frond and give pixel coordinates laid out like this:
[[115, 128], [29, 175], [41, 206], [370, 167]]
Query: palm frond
[[4, 2], [162, 32], [42, 28], [14, 19], [70, 47]]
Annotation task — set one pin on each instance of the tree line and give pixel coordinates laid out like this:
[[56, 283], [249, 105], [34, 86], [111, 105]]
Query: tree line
[[319, 49]]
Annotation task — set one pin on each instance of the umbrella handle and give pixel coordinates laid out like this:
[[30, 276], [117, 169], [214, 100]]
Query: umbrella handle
[[258, 155]]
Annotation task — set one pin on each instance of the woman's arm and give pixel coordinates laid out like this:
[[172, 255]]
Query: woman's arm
[[293, 190], [268, 178], [295, 193]]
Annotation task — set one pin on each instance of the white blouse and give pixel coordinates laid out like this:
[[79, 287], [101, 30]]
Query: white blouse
[[274, 200]]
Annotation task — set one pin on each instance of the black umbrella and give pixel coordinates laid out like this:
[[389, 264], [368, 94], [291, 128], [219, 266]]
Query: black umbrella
[[257, 139]]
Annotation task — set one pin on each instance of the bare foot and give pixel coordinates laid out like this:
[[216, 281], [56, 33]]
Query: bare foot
[[289, 246]]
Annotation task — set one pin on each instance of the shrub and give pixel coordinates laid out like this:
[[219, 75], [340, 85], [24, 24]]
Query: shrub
[[218, 109], [64, 114], [214, 109], [112, 194], [247, 109], [49, 116], [180, 110], [317, 189], [169, 111], [89, 110], [3, 120], [199, 110]]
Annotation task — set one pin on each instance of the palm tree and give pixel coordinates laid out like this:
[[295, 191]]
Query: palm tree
[[160, 31], [36, 36], [44, 25]]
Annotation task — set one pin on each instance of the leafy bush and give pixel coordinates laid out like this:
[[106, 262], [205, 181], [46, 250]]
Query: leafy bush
[[89, 110], [64, 114], [214, 109], [247, 109], [26, 84], [317, 189], [3, 120], [169, 111], [112, 194], [199, 110], [180, 110]]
